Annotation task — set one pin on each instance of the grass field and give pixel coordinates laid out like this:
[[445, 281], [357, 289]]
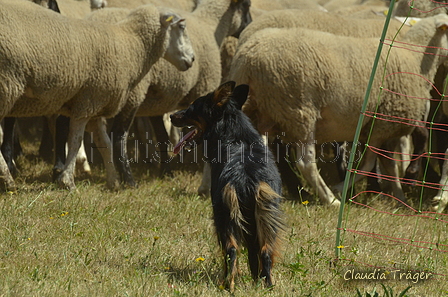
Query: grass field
[[158, 240]]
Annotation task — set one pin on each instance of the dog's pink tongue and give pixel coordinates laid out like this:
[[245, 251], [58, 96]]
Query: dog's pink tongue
[[181, 142]]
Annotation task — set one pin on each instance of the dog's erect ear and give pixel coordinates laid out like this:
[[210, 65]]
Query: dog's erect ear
[[239, 95], [222, 94]]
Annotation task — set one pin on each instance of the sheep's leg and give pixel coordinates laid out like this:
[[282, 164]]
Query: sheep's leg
[[390, 168], [367, 165], [7, 147], [405, 148], [204, 187], [82, 164], [75, 136], [163, 142], [46, 143], [61, 131], [120, 131], [5, 175], [307, 165], [104, 145], [440, 201], [420, 137]]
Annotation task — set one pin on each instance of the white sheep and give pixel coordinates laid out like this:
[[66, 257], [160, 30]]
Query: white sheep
[[312, 19], [79, 8], [335, 5], [421, 9], [79, 68], [171, 89], [318, 20], [440, 200], [73, 7], [185, 5], [311, 85]]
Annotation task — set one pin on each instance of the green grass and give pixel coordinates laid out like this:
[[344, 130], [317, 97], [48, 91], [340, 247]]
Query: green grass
[[158, 240]]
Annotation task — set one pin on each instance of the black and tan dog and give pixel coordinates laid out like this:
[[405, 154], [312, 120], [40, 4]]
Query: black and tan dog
[[246, 185]]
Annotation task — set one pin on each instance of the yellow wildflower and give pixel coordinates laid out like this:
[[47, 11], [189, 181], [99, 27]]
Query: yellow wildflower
[[305, 202], [200, 259]]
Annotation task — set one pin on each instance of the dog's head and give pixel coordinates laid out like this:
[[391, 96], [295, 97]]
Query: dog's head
[[209, 109]]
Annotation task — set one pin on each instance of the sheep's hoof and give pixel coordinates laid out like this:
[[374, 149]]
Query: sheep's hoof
[[113, 185], [83, 168], [334, 203], [203, 191], [57, 172], [9, 185], [66, 182], [439, 203]]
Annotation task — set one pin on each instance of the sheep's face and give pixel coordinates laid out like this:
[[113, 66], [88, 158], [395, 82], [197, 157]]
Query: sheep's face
[[179, 50], [241, 16], [97, 4]]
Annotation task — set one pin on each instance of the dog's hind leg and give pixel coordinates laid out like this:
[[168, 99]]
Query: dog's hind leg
[[253, 250], [270, 225], [266, 258], [230, 262]]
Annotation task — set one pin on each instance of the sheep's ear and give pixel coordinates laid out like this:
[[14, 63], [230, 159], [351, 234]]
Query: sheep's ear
[[239, 95], [168, 18], [222, 94], [442, 26], [53, 5]]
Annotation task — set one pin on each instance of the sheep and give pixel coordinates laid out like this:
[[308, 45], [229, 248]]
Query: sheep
[[318, 20], [420, 9], [10, 146], [185, 5], [440, 200], [79, 68], [97, 4], [50, 4], [312, 19], [71, 8], [335, 5], [171, 89], [315, 86], [74, 8]]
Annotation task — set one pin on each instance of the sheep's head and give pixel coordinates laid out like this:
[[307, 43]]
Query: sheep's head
[[97, 4], [179, 50], [241, 16]]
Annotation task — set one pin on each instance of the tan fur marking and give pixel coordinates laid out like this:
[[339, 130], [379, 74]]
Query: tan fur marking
[[270, 224], [220, 96], [230, 198], [230, 279]]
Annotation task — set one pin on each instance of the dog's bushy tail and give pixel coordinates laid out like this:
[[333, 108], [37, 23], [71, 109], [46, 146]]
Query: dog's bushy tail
[[231, 200], [269, 218]]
